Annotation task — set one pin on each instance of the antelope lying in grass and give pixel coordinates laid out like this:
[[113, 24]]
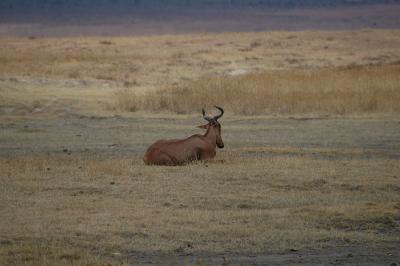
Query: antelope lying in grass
[[196, 147]]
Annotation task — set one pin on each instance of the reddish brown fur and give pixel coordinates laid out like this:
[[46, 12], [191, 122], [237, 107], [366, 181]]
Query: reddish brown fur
[[178, 152]]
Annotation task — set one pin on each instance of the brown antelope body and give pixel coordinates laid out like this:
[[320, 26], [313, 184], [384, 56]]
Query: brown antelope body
[[181, 151]]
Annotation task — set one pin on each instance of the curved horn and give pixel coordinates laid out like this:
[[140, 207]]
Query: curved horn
[[221, 114], [204, 115]]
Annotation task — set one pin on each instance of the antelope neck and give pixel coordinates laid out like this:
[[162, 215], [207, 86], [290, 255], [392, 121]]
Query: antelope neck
[[210, 135]]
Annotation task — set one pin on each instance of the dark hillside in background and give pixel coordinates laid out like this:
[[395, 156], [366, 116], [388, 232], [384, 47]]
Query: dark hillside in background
[[40, 4], [138, 17]]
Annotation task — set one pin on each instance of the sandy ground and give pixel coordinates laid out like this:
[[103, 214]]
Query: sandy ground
[[375, 136], [334, 256]]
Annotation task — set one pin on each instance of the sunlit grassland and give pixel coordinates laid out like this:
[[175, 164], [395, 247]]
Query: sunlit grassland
[[284, 72], [359, 90], [154, 60]]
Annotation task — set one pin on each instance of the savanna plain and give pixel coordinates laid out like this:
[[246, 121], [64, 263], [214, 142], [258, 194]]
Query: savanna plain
[[310, 172]]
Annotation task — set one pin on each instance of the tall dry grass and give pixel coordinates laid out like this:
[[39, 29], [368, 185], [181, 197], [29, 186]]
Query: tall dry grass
[[352, 90]]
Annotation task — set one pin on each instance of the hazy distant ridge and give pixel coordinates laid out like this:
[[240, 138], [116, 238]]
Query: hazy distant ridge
[[38, 4]]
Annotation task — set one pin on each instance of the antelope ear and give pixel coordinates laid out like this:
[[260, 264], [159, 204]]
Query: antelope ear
[[203, 126]]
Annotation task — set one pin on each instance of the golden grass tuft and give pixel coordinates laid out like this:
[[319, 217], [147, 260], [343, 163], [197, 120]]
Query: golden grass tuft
[[356, 90]]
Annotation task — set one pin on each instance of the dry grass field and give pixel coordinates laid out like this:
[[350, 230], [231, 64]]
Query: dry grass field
[[77, 190], [328, 91], [331, 72], [309, 173]]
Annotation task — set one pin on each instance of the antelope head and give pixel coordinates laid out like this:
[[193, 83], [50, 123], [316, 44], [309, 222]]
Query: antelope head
[[214, 127]]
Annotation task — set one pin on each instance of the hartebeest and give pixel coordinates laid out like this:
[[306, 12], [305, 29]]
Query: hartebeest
[[196, 147]]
